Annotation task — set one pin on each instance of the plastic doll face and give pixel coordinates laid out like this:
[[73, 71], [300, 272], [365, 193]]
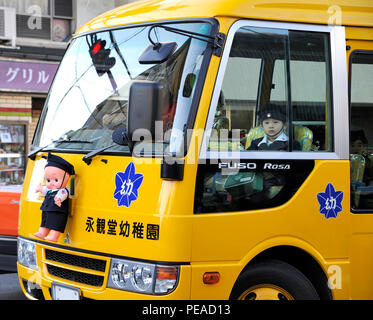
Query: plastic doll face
[[54, 178], [273, 128]]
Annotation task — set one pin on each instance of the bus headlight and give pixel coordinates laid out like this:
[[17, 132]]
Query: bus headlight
[[120, 274], [142, 277], [27, 254]]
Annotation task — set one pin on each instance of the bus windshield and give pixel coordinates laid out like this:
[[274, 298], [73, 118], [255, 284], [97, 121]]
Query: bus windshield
[[89, 95]]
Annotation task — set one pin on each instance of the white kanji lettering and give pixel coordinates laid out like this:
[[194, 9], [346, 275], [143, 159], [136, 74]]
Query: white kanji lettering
[[43, 77], [330, 203], [27, 75], [12, 73]]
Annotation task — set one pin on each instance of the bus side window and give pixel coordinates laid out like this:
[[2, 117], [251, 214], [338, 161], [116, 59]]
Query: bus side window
[[361, 134], [234, 114], [310, 83], [287, 69]]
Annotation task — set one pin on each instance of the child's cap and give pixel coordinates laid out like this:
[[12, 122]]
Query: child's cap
[[58, 162], [358, 135], [273, 111]]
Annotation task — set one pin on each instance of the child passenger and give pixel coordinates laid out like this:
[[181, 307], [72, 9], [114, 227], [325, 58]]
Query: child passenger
[[359, 144], [273, 120]]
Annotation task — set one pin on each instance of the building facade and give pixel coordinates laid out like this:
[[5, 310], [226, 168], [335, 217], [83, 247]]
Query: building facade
[[34, 35]]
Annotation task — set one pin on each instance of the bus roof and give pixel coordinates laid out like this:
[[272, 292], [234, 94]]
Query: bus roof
[[344, 12]]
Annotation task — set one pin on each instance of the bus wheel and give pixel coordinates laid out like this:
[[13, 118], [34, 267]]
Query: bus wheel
[[273, 280]]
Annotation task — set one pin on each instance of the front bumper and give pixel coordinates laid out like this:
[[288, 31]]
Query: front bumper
[[86, 272], [8, 253]]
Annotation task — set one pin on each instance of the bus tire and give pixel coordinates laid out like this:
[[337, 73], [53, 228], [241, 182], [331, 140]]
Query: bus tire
[[273, 280]]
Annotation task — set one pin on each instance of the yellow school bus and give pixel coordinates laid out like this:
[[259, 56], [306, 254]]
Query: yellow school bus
[[179, 191]]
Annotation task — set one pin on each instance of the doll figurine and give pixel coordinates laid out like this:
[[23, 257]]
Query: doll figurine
[[56, 202]]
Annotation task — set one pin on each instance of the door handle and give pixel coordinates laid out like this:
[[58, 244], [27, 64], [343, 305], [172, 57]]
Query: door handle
[[14, 202]]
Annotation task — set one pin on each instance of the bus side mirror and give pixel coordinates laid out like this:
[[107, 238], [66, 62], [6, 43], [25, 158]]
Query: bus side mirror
[[157, 53], [146, 102]]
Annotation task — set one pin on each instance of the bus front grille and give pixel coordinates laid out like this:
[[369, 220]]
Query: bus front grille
[[76, 276], [75, 268], [74, 260]]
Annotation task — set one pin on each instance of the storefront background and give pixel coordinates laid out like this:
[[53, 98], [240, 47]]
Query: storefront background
[[24, 81], [42, 29]]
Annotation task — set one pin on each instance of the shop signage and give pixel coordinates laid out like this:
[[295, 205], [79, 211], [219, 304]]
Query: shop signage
[[26, 76]]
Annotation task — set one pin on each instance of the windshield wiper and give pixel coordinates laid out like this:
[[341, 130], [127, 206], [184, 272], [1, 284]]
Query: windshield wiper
[[119, 136], [32, 154], [72, 141], [88, 157]]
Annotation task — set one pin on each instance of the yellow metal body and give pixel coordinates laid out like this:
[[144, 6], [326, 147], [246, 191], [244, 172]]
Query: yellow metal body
[[223, 242]]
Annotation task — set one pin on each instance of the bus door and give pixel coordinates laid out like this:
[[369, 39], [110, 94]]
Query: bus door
[[246, 195], [360, 65]]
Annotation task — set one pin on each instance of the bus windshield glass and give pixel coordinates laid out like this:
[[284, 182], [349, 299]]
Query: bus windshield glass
[[89, 95]]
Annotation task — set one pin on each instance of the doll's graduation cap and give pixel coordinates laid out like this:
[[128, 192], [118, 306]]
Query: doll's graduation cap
[[58, 162]]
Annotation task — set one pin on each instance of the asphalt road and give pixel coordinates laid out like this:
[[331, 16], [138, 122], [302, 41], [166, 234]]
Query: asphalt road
[[10, 288]]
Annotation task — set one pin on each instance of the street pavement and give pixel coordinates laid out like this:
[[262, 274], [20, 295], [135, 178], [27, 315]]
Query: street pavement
[[10, 288]]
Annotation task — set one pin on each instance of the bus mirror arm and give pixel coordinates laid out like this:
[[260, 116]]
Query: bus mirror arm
[[159, 52]]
